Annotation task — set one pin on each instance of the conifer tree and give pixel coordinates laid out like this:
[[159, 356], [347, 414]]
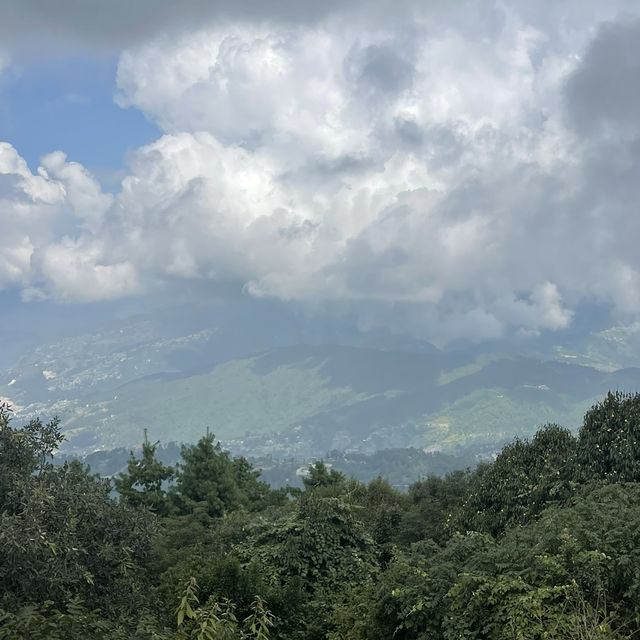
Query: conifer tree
[[205, 476], [143, 483], [321, 476]]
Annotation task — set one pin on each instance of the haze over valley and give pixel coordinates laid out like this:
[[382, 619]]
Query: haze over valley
[[304, 400]]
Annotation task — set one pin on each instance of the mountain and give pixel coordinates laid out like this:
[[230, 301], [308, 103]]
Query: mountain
[[299, 400]]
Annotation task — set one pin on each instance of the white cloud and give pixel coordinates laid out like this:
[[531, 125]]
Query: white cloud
[[423, 171], [73, 270], [27, 205]]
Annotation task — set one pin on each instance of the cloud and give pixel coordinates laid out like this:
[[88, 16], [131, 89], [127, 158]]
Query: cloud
[[5, 59], [119, 23], [604, 92], [72, 270], [98, 25], [27, 203], [39, 215], [437, 171]]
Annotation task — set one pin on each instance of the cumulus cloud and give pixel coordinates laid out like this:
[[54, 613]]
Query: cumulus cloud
[[51, 226], [444, 171], [27, 203]]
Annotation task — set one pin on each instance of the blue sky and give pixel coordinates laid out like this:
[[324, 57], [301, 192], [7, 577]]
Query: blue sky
[[66, 103]]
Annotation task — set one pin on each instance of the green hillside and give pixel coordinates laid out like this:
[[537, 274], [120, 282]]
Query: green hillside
[[231, 400], [307, 400], [299, 401]]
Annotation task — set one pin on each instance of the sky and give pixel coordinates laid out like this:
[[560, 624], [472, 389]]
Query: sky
[[443, 170]]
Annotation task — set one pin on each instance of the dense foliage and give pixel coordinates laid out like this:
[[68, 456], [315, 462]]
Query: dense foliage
[[543, 542]]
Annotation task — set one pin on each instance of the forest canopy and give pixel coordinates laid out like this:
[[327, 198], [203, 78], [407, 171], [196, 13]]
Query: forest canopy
[[543, 542]]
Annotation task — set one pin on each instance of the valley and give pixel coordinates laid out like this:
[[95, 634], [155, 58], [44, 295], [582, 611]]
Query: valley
[[304, 400]]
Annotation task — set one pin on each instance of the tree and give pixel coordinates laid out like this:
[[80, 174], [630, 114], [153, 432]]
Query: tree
[[314, 554], [609, 440], [209, 477], [321, 476], [142, 485], [321, 541], [432, 502], [60, 531], [70, 536], [524, 479], [258, 494], [23, 452]]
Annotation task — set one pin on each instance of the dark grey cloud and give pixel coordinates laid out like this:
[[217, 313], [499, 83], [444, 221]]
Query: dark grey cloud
[[122, 22], [604, 91], [98, 25], [118, 23], [379, 68], [408, 131]]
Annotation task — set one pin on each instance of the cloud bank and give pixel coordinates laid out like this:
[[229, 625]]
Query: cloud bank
[[455, 170]]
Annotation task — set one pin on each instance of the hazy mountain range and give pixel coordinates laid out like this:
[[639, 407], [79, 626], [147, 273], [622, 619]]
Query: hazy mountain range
[[306, 399]]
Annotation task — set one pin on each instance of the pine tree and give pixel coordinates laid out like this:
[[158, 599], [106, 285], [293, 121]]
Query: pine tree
[[206, 477], [321, 476], [143, 483]]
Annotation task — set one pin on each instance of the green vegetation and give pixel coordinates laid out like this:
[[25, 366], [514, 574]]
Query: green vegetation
[[300, 401], [233, 398], [490, 415], [542, 543]]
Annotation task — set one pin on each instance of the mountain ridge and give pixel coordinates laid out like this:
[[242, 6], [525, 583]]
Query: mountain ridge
[[298, 399]]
